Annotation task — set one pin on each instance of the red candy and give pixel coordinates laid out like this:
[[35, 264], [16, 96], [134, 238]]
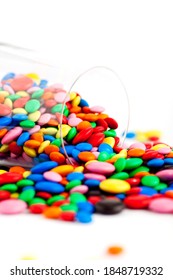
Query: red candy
[[83, 135], [44, 195], [37, 208], [10, 177], [137, 201], [21, 83], [96, 139], [111, 123], [68, 216], [4, 195], [133, 181], [102, 123]]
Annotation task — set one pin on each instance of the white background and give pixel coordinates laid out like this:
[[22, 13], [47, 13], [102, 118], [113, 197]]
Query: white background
[[135, 39]]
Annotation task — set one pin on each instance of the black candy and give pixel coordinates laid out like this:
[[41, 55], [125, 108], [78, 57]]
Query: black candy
[[109, 206]]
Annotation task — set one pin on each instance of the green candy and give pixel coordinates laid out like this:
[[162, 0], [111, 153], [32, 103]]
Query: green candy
[[57, 142], [38, 93], [120, 164], [27, 124], [139, 169], [93, 124], [32, 105], [72, 184], [110, 133], [27, 195], [69, 207], [37, 200], [103, 156], [72, 133], [120, 175], [9, 187], [25, 183], [150, 180], [55, 198], [57, 108], [77, 197], [160, 186], [132, 163], [66, 112], [14, 97]]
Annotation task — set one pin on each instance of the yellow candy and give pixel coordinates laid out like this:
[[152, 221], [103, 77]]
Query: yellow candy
[[123, 153], [22, 93], [63, 169], [14, 195], [2, 171], [43, 146], [140, 136], [159, 146], [79, 169], [26, 174], [19, 111], [28, 258], [30, 152], [4, 93], [72, 95], [4, 148], [34, 77], [110, 141], [151, 133], [76, 101], [49, 130], [114, 186], [94, 160], [34, 116], [8, 102], [65, 130]]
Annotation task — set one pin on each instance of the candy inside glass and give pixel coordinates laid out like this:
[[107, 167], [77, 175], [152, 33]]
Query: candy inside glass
[[102, 89]]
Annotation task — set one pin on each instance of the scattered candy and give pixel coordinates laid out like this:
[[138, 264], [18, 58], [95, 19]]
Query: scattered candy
[[97, 177]]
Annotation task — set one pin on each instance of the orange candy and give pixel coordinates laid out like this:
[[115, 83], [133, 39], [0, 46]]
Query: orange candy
[[3, 132], [52, 212], [53, 122], [47, 95], [37, 136], [56, 156], [102, 116], [17, 169], [33, 144], [50, 149], [82, 125], [2, 99], [135, 153], [115, 250], [86, 156], [75, 109], [91, 117], [169, 194], [141, 174]]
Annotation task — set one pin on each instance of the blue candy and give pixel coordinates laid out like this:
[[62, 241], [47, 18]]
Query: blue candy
[[20, 117], [85, 206], [43, 83], [69, 149], [170, 188], [23, 138], [92, 183], [28, 188], [8, 76], [44, 166], [75, 154], [43, 157], [36, 177], [120, 196], [168, 161], [147, 191], [48, 186], [156, 162], [75, 176], [84, 146], [49, 137], [5, 121], [83, 217], [130, 135], [83, 103], [104, 147]]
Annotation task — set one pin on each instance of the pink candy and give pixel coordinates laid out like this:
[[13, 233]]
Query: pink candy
[[161, 205], [12, 206]]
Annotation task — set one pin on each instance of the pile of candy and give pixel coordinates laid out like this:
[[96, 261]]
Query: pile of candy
[[103, 177]]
